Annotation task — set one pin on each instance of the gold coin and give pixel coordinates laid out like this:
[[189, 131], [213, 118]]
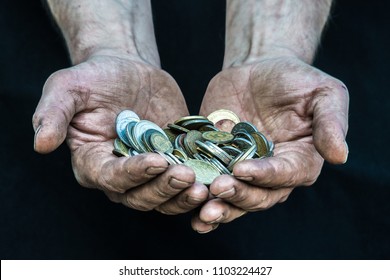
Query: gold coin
[[119, 153], [189, 141], [178, 128], [160, 142], [208, 127], [179, 153], [223, 114], [218, 137], [261, 143], [205, 173], [119, 145], [170, 134]]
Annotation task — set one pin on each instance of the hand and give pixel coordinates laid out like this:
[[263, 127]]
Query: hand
[[303, 110], [81, 103]]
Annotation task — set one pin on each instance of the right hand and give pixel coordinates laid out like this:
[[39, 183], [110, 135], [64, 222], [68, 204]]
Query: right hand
[[80, 104]]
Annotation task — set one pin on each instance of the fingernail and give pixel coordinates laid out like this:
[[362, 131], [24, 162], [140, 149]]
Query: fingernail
[[38, 128], [194, 200], [245, 178], [36, 134], [155, 170], [242, 214], [226, 194], [347, 149], [177, 184], [217, 220], [208, 230]]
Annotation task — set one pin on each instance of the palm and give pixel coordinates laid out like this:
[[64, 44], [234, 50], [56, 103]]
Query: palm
[[303, 110], [81, 103], [276, 96], [279, 97], [104, 86]]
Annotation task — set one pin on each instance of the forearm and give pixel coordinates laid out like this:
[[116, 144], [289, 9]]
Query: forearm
[[257, 29], [112, 27]]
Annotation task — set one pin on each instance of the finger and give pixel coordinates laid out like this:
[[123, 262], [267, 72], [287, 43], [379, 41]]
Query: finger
[[330, 123], [97, 167], [217, 211], [161, 189], [200, 226], [294, 164], [54, 112], [185, 201], [246, 196]]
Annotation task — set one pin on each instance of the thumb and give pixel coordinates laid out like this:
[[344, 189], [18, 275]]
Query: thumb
[[330, 123], [55, 110]]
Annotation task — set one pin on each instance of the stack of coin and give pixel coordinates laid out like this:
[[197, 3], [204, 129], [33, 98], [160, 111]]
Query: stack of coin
[[194, 141]]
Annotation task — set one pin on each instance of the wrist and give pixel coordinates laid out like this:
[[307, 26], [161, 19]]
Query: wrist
[[243, 57], [119, 28], [267, 29]]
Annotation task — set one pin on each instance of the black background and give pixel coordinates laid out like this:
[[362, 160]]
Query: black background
[[45, 214]]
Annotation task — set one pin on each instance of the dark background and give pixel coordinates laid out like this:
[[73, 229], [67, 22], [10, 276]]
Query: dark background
[[45, 214]]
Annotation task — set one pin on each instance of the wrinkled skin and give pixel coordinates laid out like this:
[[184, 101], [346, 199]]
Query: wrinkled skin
[[303, 110], [81, 103]]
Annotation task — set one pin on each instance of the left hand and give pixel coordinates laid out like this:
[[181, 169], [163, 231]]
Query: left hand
[[303, 110]]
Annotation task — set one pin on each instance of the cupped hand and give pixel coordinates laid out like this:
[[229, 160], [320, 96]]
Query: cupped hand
[[303, 110], [80, 104]]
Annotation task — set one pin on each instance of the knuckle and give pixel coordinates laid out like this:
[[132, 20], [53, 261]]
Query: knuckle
[[165, 192], [166, 210], [262, 203], [136, 204], [106, 184]]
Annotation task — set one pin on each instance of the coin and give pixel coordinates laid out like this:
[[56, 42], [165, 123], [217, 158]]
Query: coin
[[189, 118], [196, 124], [243, 156], [241, 143], [189, 141], [213, 150], [179, 153], [205, 173], [126, 114], [261, 143], [121, 147], [244, 127], [171, 135], [121, 121], [217, 137], [223, 114], [131, 141], [119, 153], [234, 152], [194, 141], [208, 127], [219, 166], [160, 142], [140, 128], [177, 128]]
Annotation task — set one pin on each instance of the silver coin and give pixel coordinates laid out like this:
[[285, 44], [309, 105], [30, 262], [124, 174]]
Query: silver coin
[[126, 114], [244, 127]]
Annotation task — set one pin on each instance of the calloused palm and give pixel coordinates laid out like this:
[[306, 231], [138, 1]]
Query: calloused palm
[[81, 103], [302, 109]]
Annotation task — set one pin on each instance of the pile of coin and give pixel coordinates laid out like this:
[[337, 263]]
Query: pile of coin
[[194, 141]]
